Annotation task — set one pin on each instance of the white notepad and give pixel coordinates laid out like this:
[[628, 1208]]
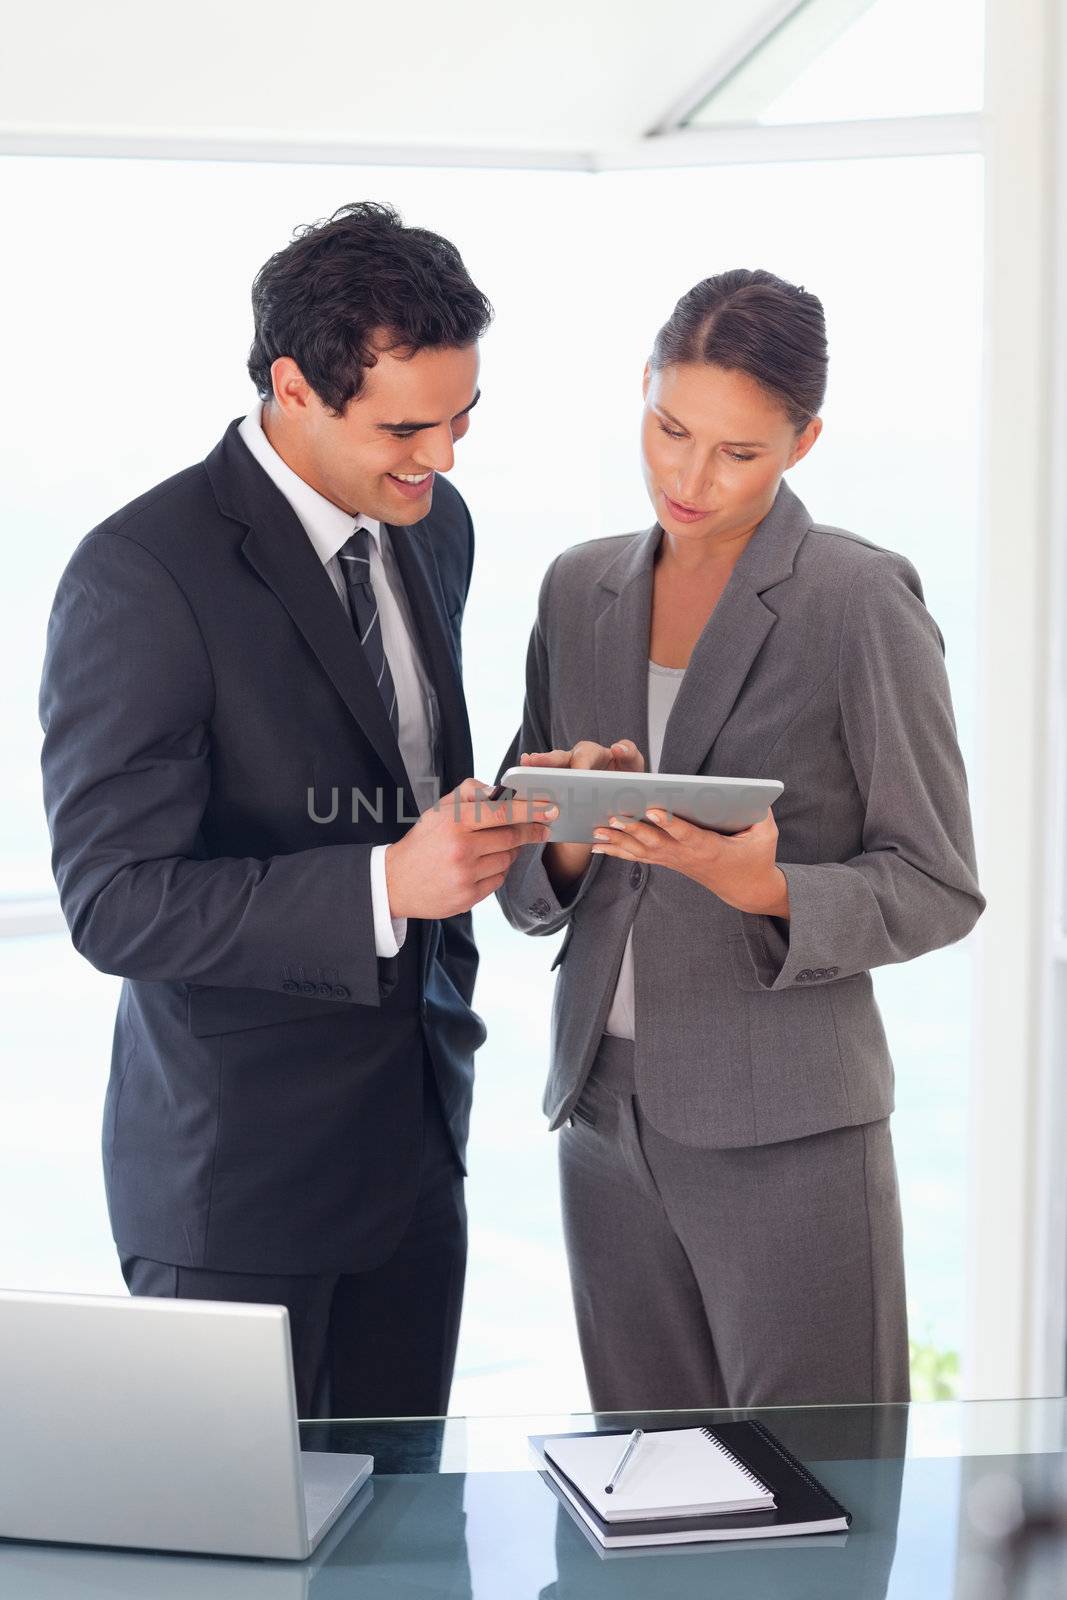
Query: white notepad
[[680, 1472]]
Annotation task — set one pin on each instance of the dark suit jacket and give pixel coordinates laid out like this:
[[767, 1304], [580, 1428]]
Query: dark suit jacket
[[263, 1112]]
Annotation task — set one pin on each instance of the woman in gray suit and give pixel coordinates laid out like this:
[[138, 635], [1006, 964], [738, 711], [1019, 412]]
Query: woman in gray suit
[[719, 1067]]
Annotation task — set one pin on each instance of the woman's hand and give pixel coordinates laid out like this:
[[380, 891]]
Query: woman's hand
[[740, 868], [567, 863], [622, 756]]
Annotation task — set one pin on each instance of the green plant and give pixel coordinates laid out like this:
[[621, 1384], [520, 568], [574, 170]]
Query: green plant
[[935, 1374]]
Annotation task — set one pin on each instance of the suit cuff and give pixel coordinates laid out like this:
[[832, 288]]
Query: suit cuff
[[532, 903], [389, 931], [798, 951]]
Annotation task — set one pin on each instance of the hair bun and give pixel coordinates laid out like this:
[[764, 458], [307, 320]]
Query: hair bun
[[777, 336]]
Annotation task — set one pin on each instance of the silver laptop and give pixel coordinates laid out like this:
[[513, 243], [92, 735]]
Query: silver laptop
[[66, 1571], [160, 1425]]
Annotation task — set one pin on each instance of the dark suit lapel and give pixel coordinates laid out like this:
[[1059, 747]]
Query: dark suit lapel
[[303, 586], [278, 548], [413, 549], [733, 637]]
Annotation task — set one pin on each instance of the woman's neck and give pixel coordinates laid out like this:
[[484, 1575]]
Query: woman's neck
[[697, 558]]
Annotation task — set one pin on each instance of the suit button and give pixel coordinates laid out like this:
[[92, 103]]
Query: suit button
[[340, 992], [289, 987], [326, 990], [635, 876], [805, 976], [307, 988]]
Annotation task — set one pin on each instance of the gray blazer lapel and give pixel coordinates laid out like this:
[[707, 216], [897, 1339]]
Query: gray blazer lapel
[[733, 637], [622, 631]]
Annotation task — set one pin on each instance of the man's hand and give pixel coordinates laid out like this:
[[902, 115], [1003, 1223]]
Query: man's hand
[[459, 851], [566, 863], [740, 868]]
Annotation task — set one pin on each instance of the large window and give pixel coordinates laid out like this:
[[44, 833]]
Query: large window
[[852, 60], [129, 344]]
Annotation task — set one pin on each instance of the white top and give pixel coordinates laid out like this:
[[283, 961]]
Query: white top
[[328, 527], [663, 686]]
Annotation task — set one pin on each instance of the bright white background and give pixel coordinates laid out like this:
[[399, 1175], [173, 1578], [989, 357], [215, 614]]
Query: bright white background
[[127, 290]]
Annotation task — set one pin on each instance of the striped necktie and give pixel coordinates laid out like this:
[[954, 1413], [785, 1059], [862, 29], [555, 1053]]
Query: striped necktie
[[355, 564]]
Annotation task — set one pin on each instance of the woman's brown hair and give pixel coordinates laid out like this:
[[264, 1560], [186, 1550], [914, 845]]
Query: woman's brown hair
[[754, 322]]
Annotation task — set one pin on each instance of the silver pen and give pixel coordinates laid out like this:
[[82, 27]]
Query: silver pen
[[631, 1445]]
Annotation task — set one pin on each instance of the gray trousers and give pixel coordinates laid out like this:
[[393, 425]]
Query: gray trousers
[[765, 1276]]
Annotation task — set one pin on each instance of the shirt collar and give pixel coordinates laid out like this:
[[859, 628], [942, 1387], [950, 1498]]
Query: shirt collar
[[326, 525]]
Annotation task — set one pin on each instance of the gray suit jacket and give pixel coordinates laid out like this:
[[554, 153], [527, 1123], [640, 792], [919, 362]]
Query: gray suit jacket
[[822, 667]]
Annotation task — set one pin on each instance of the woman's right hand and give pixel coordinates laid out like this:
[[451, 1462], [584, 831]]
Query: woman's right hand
[[567, 863], [622, 756]]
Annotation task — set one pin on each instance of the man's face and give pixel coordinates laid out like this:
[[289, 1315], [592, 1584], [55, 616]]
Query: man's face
[[381, 456]]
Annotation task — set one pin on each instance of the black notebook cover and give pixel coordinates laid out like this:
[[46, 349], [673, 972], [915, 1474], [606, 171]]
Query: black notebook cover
[[802, 1505]]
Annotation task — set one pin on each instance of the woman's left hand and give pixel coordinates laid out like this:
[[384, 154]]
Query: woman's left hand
[[740, 868]]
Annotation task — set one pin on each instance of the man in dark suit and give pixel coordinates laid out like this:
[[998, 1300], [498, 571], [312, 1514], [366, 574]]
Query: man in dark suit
[[251, 702]]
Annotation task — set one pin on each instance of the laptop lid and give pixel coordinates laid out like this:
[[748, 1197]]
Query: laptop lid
[[154, 1423]]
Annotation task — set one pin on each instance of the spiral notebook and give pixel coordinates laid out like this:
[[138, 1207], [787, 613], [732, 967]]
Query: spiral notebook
[[732, 1480], [682, 1472]]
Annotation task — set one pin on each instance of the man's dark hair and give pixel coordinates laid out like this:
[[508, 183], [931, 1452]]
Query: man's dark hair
[[349, 277], [751, 321]]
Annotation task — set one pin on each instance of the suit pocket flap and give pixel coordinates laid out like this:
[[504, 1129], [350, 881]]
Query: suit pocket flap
[[217, 1010]]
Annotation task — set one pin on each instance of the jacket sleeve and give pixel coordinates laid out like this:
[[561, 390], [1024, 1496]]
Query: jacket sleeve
[[126, 702], [526, 896], [914, 886]]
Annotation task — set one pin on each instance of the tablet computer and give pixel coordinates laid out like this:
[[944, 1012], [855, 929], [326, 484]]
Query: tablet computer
[[587, 799]]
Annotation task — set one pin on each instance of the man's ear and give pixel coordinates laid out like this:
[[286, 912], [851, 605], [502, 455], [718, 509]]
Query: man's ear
[[292, 392], [805, 439]]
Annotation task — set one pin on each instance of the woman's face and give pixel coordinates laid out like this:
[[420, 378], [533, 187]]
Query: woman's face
[[715, 445]]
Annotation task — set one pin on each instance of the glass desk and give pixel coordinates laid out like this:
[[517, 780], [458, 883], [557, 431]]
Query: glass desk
[[458, 1512]]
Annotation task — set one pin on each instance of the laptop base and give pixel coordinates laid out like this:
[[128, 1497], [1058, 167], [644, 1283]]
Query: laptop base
[[330, 1483]]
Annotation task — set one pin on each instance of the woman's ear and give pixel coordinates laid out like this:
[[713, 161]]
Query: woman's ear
[[646, 380], [805, 439]]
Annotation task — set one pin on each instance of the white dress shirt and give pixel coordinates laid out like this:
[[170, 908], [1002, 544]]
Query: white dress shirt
[[663, 686], [328, 528]]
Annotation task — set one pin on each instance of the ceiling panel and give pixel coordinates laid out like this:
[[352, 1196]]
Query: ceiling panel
[[550, 76]]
